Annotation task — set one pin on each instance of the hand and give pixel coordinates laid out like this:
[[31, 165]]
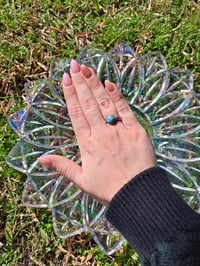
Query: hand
[[111, 154]]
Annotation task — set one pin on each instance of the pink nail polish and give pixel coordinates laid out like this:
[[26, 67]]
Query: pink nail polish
[[86, 72], [75, 68], [109, 86], [66, 80]]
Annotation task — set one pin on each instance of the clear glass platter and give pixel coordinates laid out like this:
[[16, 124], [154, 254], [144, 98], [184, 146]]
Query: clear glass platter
[[165, 104]]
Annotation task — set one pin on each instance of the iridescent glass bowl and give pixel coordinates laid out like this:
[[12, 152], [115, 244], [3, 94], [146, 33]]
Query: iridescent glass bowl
[[165, 104]]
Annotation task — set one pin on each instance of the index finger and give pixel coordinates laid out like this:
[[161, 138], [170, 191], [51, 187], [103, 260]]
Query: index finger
[[79, 122]]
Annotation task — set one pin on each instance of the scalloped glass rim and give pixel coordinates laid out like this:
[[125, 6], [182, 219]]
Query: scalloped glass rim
[[163, 101]]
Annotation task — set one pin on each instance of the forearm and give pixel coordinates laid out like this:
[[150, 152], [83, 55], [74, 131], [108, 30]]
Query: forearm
[[155, 220]]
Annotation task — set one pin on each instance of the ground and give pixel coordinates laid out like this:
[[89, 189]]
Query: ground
[[32, 32]]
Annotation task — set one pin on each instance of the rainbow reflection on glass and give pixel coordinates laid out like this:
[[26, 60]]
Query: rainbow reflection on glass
[[165, 104]]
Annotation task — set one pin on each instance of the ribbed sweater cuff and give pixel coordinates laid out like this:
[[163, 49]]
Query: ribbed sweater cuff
[[148, 211]]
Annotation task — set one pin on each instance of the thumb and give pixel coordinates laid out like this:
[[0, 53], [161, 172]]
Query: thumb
[[64, 166]]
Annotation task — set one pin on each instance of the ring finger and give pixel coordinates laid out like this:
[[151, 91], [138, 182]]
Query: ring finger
[[122, 106]]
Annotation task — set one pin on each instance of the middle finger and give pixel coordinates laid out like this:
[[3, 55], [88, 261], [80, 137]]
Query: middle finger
[[106, 105], [86, 98]]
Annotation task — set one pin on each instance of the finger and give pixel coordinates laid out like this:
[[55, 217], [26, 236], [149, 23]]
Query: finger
[[77, 116], [122, 106], [64, 166], [86, 98], [94, 84]]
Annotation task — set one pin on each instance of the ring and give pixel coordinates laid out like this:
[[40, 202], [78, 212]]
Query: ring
[[112, 120]]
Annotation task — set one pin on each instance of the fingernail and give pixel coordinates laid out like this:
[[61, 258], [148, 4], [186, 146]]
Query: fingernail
[[66, 81], [44, 161], [75, 68], [86, 72], [109, 86]]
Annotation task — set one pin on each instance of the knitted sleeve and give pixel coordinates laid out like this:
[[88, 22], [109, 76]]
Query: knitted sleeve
[[155, 220]]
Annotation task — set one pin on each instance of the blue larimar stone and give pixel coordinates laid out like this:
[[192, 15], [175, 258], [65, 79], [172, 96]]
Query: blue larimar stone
[[111, 119]]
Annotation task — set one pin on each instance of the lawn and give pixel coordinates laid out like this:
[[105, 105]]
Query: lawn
[[32, 33]]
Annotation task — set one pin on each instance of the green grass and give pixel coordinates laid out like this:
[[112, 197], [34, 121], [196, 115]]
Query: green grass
[[32, 32]]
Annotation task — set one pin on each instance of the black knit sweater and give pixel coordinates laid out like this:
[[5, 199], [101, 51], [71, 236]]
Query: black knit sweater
[[156, 222]]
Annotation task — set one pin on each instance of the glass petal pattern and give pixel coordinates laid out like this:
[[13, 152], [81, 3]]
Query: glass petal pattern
[[164, 102]]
